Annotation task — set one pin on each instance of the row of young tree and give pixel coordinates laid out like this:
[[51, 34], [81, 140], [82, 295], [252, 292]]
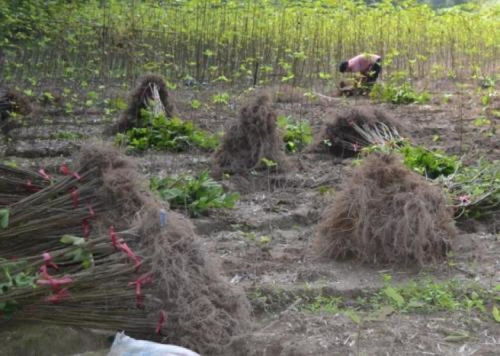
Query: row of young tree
[[242, 41]]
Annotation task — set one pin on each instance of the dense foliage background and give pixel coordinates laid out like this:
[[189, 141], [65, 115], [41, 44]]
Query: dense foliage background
[[242, 41]]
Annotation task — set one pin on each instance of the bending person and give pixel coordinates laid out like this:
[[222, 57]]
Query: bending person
[[368, 65]]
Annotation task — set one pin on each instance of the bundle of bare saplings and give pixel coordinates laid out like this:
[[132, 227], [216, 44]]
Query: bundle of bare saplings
[[149, 93], [12, 103], [91, 247], [354, 128], [386, 213], [251, 142]]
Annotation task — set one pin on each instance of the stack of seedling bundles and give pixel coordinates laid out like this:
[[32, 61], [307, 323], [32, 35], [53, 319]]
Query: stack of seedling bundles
[[91, 247]]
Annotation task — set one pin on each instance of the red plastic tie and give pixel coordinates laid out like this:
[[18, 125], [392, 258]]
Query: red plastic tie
[[161, 322], [64, 170], [139, 283], [44, 174], [91, 212], [86, 228], [30, 187], [44, 273], [128, 251], [75, 196], [49, 262], [55, 283], [114, 238], [58, 297]]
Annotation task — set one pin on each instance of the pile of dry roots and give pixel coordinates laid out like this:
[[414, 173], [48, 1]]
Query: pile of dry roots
[[386, 213], [150, 92], [251, 141], [12, 102], [91, 247], [344, 135]]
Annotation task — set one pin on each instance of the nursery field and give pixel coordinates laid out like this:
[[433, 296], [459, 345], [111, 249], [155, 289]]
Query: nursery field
[[247, 146], [303, 305]]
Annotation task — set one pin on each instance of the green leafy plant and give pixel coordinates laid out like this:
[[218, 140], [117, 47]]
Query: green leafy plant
[[481, 121], [269, 163], [398, 93], [4, 218], [14, 274], [221, 98], [324, 304], [297, 134], [429, 295], [475, 190], [67, 135], [195, 104], [430, 163], [196, 194], [80, 253], [160, 133]]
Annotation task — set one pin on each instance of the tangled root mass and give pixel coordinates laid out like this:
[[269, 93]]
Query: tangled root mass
[[386, 213]]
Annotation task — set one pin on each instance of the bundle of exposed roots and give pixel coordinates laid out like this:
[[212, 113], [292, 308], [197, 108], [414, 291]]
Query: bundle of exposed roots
[[12, 102], [93, 248], [386, 213], [252, 143], [150, 93], [344, 135]]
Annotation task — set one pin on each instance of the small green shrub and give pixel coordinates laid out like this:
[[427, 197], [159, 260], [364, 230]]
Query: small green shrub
[[157, 132], [297, 134], [196, 194], [398, 93], [221, 98], [195, 104]]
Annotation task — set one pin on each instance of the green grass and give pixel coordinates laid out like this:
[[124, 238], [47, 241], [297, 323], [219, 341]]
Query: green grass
[[418, 296]]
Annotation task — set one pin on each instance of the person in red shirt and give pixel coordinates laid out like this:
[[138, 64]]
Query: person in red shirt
[[368, 65]]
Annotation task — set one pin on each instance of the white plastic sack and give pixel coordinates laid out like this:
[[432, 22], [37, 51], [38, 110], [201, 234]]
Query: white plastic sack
[[127, 346]]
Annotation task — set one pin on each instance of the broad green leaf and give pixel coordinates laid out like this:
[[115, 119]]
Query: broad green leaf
[[496, 314], [73, 240], [395, 296], [4, 218]]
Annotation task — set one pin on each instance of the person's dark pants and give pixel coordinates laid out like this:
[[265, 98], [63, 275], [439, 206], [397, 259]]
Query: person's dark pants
[[371, 77]]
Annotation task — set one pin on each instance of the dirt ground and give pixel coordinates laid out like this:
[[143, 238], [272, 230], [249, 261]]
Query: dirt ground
[[263, 243]]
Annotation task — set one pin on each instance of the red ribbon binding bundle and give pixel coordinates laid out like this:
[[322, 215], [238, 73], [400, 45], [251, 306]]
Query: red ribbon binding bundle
[[161, 322], [139, 283], [59, 293], [64, 170], [121, 245]]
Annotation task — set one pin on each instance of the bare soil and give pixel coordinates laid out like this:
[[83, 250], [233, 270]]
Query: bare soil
[[263, 243]]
